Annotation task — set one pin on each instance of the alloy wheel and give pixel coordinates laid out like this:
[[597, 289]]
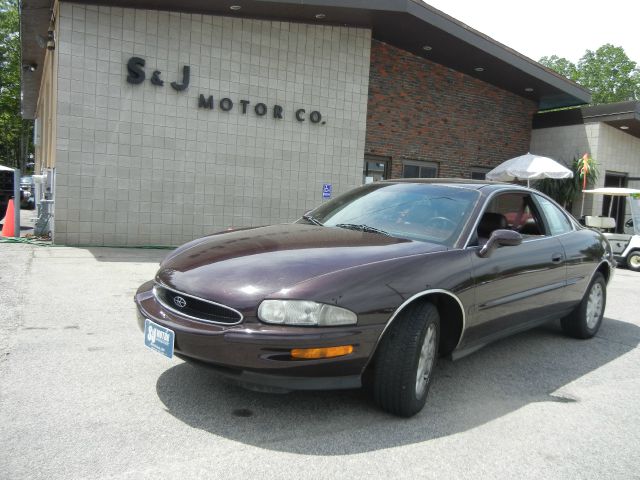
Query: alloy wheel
[[594, 305], [425, 363]]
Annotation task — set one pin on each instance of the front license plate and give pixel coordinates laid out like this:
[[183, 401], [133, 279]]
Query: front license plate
[[158, 338]]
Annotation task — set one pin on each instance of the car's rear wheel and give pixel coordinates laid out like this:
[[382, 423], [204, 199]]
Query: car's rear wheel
[[405, 360], [633, 261], [585, 320]]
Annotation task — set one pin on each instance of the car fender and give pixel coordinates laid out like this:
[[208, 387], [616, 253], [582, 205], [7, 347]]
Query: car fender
[[610, 266], [417, 297]]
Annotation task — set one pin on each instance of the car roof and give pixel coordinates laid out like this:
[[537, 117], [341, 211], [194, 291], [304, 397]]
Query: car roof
[[485, 185]]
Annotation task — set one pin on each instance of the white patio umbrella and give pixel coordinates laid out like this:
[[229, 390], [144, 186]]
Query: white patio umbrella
[[529, 167]]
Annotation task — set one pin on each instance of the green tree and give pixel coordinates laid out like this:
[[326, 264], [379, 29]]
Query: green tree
[[561, 65], [15, 133], [607, 72]]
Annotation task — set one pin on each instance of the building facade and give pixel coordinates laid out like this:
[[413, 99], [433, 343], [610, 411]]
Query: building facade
[[610, 134], [425, 119], [159, 125]]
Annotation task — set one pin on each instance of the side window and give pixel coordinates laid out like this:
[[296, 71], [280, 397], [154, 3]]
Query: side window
[[513, 211], [557, 221]]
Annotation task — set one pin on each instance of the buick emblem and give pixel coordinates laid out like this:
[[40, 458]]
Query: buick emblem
[[179, 301]]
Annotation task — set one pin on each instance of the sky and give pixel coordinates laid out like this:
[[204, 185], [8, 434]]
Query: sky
[[566, 28]]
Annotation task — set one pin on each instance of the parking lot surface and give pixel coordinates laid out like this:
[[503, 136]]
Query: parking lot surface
[[82, 398]]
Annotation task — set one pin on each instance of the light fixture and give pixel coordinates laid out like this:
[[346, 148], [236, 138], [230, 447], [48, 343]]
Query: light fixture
[[235, 7], [528, 89], [51, 40], [322, 352], [479, 69], [624, 127], [427, 48], [30, 67], [320, 16]]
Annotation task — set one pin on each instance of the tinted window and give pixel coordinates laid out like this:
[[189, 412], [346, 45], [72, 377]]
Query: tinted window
[[419, 170], [432, 213], [558, 222], [411, 171], [479, 173], [518, 212]]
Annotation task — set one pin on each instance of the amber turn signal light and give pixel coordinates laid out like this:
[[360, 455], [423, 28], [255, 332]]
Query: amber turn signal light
[[324, 352]]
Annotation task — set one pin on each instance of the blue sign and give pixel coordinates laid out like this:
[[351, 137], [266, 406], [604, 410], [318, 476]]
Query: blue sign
[[326, 190], [158, 338]]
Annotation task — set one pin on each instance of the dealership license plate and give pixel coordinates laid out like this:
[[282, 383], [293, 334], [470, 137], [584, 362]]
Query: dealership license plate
[[158, 338]]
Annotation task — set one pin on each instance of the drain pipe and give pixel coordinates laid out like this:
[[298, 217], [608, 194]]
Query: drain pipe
[[16, 202]]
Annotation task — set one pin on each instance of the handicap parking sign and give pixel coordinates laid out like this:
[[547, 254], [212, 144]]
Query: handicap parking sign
[[326, 190]]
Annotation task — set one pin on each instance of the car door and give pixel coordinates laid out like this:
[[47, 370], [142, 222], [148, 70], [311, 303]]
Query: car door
[[583, 249], [516, 286]]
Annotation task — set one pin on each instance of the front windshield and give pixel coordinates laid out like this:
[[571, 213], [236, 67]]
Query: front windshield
[[417, 211]]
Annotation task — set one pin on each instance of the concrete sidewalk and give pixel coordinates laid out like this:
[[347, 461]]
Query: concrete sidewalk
[[82, 398]]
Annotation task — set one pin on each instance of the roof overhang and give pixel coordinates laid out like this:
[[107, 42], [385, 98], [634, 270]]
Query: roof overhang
[[407, 24], [622, 115], [35, 17]]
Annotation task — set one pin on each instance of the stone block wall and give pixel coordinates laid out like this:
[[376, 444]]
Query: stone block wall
[[141, 164]]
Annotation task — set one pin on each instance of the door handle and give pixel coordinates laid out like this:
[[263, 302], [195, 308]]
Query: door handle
[[557, 257]]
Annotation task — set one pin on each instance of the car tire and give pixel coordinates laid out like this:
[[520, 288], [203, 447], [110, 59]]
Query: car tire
[[406, 359], [633, 261], [586, 319]]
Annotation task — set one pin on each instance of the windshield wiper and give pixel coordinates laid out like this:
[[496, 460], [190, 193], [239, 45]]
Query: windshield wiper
[[363, 228], [313, 220]]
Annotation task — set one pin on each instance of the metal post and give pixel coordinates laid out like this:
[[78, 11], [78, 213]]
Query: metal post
[[16, 202]]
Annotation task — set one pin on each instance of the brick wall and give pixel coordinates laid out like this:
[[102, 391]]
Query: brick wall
[[420, 110]]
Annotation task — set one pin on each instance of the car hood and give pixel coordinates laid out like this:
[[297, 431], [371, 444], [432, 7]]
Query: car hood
[[242, 267]]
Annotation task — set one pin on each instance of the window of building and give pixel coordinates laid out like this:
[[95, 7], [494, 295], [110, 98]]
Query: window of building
[[376, 168], [479, 173], [418, 169]]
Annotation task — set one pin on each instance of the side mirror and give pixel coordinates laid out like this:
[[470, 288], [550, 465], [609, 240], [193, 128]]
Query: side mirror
[[500, 238]]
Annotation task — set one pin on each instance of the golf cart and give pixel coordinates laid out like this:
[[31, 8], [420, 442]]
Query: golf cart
[[625, 246]]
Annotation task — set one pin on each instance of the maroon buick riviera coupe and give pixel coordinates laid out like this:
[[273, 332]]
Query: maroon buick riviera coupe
[[371, 287]]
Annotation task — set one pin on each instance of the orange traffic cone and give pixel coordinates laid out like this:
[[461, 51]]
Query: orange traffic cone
[[8, 228]]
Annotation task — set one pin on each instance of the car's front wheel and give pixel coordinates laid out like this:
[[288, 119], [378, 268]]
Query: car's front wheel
[[405, 360], [585, 320]]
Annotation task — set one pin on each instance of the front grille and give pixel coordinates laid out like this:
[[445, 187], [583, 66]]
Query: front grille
[[196, 308]]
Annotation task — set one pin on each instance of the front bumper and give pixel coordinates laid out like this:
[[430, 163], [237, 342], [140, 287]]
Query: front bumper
[[258, 355]]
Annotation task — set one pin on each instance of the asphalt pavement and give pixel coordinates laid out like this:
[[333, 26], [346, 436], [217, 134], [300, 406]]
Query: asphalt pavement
[[82, 398]]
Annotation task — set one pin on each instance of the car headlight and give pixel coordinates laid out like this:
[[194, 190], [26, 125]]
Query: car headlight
[[304, 312]]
